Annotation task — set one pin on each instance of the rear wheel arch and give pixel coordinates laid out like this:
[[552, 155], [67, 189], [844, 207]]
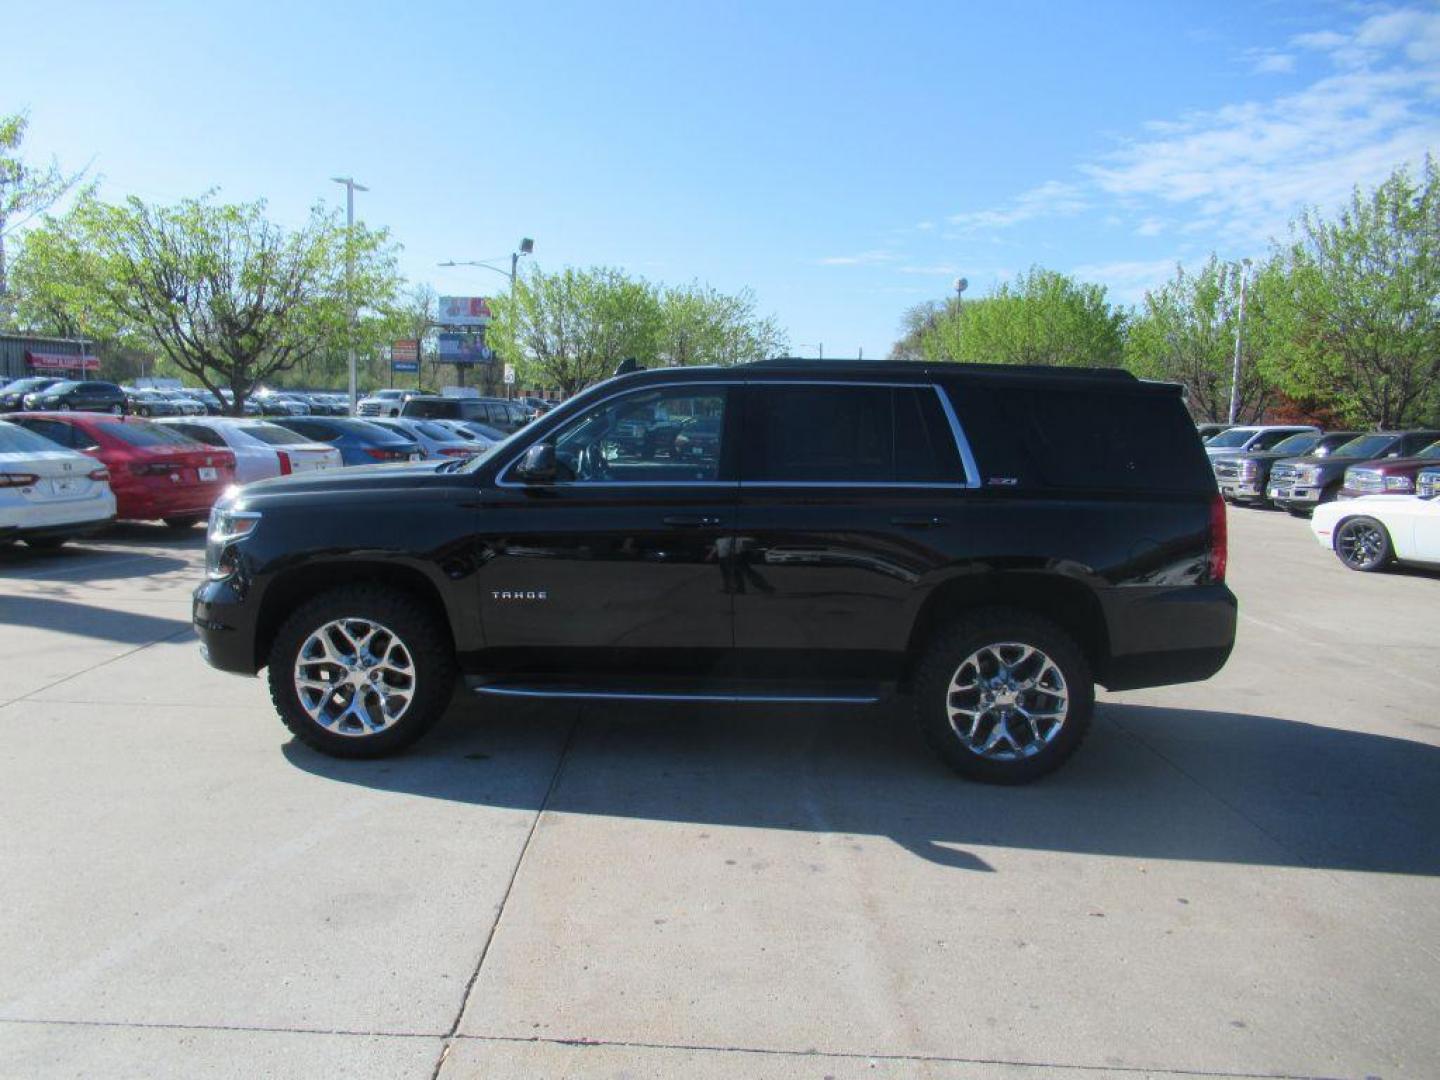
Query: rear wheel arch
[[1069, 604], [303, 583]]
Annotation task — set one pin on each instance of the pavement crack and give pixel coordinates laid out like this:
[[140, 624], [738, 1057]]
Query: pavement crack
[[560, 761]]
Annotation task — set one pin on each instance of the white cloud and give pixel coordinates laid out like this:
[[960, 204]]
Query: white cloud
[[1127, 281], [864, 258], [1150, 227], [1054, 198], [925, 226], [1272, 63]]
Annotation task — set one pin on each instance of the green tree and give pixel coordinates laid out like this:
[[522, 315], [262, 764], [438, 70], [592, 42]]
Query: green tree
[[219, 291], [1184, 332], [571, 328], [1042, 317], [25, 190], [1355, 304], [701, 325]]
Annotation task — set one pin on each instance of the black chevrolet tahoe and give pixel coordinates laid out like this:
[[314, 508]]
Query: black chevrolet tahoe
[[989, 541]]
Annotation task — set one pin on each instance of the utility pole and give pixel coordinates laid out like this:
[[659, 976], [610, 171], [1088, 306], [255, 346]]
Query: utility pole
[[1239, 332], [350, 188]]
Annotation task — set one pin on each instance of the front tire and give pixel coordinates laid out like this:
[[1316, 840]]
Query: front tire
[[1363, 544], [361, 671], [1004, 696]]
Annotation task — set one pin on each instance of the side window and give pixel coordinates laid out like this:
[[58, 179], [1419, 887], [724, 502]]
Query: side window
[[839, 434], [200, 434], [666, 435], [1413, 444], [54, 430]]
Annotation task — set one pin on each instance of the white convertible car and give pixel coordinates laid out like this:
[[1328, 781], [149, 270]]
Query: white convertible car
[[1370, 532]]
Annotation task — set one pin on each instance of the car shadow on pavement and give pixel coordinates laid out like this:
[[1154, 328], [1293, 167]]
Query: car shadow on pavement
[[87, 620], [1150, 783]]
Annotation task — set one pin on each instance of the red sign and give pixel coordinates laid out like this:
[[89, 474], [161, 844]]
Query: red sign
[[407, 349], [62, 361]]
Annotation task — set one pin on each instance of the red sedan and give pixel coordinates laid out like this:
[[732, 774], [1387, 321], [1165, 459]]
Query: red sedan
[[155, 471]]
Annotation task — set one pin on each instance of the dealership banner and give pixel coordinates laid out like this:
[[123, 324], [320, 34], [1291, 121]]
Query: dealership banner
[[464, 349], [49, 361], [464, 311], [405, 355]]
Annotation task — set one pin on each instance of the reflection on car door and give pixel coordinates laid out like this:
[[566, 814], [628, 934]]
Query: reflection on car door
[[615, 569], [847, 491]]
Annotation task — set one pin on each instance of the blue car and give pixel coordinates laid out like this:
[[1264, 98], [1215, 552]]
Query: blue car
[[359, 442]]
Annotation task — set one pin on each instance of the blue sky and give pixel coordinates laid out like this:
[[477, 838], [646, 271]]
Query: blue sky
[[844, 161]]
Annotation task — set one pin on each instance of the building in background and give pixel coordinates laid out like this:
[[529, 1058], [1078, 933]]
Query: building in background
[[22, 355]]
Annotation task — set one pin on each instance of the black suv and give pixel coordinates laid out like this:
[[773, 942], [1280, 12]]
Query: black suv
[[992, 541], [506, 416], [79, 396]]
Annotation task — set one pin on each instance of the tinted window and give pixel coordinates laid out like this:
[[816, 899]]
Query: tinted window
[[1413, 444], [1273, 438], [1296, 444], [637, 438], [272, 434], [1234, 438], [18, 440], [834, 434], [1365, 446], [314, 431], [143, 434], [200, 433], [1082, 437], [432, 409]]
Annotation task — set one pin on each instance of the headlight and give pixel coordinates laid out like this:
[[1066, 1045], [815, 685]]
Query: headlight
[[1399, 483], [227, 526]]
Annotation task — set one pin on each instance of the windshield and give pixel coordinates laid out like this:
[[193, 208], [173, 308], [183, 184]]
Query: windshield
[[272, 434], [62, 387], [1297, 444], [1234, 437], [1365, 446], [139, 433], [17, 440], [25, 386]]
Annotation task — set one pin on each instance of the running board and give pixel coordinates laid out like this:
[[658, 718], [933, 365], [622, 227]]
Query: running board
[[737, 696]]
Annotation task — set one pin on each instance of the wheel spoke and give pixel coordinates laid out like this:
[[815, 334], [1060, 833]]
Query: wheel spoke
[[1003, 684], [355, 677]]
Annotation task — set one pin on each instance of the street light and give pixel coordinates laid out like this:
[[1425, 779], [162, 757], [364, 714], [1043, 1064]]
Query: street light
[[961, 284], [350, 188], [1239, 332], [527, 247]]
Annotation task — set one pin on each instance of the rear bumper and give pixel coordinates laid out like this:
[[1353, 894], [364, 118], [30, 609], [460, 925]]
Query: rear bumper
[[150, 504], [1164, 636]]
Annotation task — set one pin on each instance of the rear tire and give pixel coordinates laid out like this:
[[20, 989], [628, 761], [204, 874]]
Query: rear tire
[[418, 660], [1004, 696]]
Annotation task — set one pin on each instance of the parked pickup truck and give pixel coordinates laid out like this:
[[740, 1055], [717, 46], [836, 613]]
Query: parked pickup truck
[[1391, 476], [1299, 484], [1245, 478], [989, 541]]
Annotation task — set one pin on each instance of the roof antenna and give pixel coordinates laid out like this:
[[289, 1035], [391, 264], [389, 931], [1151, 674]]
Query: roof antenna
[[628, 366]]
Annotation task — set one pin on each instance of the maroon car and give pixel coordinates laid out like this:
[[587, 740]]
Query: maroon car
[[1389, 476]]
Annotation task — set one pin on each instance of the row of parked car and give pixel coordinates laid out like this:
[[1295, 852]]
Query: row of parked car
[[69, 473], [1370, 495], [47, 394]]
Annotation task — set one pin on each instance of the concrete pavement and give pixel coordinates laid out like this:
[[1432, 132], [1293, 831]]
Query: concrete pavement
[[1237, 878]]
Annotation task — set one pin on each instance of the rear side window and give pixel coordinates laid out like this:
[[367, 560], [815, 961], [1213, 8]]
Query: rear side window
[[432, 409], [143, 434], [317, 432], [846, 434], [16, 440], [1078, 438], [200, 434], [272, 434]]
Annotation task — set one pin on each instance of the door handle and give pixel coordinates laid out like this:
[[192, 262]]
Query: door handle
[[918, 522], [691, 521]]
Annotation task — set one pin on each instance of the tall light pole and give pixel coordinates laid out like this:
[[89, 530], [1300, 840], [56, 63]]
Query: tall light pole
[[1239, 333], [350, 188], [961, 284]]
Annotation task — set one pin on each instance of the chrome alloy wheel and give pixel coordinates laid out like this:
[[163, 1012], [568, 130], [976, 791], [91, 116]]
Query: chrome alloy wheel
[[1360, 544], [355, 677], [1007, 701]]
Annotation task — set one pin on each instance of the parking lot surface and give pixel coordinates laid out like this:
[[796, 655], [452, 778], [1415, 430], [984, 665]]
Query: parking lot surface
[[1236, 878]]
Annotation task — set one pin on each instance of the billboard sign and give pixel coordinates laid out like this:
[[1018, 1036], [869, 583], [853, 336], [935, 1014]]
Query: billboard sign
[[405, 356], [405, 367], [48, 361], [464, 311], [464, 349]]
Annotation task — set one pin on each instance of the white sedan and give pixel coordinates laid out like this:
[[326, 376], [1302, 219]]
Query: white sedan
[[1370, 532], [49, 493], [261, 449]]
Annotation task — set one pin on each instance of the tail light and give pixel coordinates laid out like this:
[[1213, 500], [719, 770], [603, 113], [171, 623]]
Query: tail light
[[379, 453], [457, 451], [99, 474], [285, 466], [17, 479], [1219, 540]]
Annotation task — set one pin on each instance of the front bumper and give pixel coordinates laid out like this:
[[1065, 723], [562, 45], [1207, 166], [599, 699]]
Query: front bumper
[[225, 624], [1243, 490]]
